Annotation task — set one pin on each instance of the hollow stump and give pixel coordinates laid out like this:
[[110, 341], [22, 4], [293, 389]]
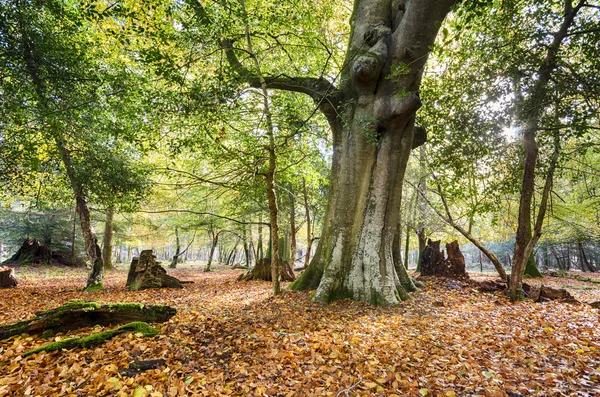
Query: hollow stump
[[434, 263]]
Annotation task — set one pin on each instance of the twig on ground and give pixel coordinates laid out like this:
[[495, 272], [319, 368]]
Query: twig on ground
[[345, 391]]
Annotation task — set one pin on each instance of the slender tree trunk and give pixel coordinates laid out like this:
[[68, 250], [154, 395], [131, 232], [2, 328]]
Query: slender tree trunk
[[407, 247], [308, 225], [108, 234], [292, 230], [259, 243], [73, 235], [246, 247], [175, 259], [92, 248], [272, 166], [213, 246], [530, 115]]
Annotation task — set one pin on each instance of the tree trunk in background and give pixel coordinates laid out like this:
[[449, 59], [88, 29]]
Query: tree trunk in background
[[308, 225], [372, 140], [292, 230], [175, 259], [259, 243], [108, 233], [73, 235], [213, 246], [586, 266], [92, 248], [529, 116], [246, 247], [422, 244], [407, 247], [531, 269]]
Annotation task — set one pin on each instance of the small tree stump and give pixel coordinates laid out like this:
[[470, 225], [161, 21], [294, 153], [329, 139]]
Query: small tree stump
[[146, 273], [434, 263], [7, 277], [262, 271]]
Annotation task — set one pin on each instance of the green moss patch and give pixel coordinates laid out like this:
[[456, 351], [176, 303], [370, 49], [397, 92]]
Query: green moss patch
[[95, 339]]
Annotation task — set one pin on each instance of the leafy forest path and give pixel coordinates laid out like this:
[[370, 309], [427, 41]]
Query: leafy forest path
[[234, 338]]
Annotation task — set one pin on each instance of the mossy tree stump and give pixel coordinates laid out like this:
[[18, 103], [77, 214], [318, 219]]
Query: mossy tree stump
[[79, 314], [145, 272]]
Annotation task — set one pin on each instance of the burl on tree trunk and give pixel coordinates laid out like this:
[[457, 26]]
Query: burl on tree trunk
[[433, 262], [145, 272], [262, 271], [7, 277], [79, 314]]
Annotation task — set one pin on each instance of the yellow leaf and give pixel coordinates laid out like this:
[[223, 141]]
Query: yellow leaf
[[371, 385], [424, 391]]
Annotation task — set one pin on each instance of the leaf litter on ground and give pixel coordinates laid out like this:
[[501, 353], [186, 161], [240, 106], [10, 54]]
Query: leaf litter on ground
[[234, 338]]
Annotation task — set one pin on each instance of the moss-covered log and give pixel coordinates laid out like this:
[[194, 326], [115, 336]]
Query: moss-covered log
[[95, 339], [79, 314]]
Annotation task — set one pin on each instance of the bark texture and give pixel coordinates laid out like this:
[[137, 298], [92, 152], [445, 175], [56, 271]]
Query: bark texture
[[146, 273], [108, 233], [373, 136]]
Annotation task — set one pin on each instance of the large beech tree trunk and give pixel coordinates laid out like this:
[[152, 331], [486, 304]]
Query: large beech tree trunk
[[388, 49]]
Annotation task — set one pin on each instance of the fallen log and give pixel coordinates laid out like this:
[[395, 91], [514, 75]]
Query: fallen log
[[145, 272], [7, 277], [94, 339], [540, 293], [79, 314]]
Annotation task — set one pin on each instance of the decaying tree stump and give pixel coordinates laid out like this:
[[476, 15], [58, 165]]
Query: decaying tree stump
[[434, 263], [145, 272], [78, 314], [34, 252], [262, 271], [7, 277]]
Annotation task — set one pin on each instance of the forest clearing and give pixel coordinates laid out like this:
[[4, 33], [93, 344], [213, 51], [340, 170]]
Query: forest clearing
[[231, 338], [299, 198]]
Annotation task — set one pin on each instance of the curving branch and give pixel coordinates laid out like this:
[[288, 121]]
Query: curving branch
[[321, 90]]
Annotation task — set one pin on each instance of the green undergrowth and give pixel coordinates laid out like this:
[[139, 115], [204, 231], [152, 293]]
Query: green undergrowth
[[95, 339]]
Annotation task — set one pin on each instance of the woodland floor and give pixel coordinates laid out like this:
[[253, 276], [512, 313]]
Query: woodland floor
[[231, 338]]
